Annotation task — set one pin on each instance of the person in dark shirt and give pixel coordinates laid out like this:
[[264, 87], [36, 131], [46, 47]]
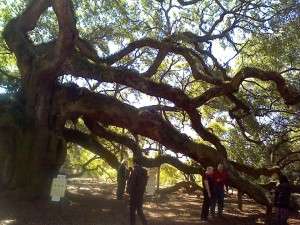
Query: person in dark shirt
[[136, 188], [220, 177], [282, 200], [122, 177], [127, 183], [207, 180]]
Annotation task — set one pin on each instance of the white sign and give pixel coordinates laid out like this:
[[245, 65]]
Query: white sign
[[58, 188], [151, 184]]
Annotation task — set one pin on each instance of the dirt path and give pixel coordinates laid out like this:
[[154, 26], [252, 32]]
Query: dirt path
[[95, 204]]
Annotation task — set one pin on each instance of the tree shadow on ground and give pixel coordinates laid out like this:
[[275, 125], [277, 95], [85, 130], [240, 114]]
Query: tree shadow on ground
[[95, 204]]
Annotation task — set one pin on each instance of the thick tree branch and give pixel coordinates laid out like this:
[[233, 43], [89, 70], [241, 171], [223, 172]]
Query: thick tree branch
[[288, 163], [290, 95], [187, 185], [204, 133], [137, 151], [15, 33], [189, 2], [165, 46], [287, 155], [150, 124], [155, 65], [91, 144], [243, 132], [88, 142], [255, 172], [159, 108], [65, 42], [28, 19], [16, 37], [111, 111], [81, 67], [272, 185], [84, 168]]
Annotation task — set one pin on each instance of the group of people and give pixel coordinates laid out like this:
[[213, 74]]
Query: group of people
[[136, 179], [214, 183]]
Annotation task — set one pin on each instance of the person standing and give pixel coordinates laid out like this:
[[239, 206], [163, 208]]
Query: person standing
[[136, 188], [207, 183], [130, 169], [122, 177], [282, 200], [220, 177]]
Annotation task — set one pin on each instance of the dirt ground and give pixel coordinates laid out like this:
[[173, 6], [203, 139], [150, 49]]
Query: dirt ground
[[93, 203]]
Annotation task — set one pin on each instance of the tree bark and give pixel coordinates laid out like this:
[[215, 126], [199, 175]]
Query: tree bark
[[32, 158]]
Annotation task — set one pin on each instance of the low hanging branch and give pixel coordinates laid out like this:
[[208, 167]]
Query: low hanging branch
[[256, 172], [188, 186], [88, 142], [94, 146], [287, 155], [114, 112], [108, 110], [84, 168], [129, 117], [137, 151]]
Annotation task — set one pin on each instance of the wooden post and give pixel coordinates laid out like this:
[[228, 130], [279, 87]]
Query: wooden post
[[158, 169], [240, 200]]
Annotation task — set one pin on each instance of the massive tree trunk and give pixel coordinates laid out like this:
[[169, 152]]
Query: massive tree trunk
[[34, 150], [33, 159]]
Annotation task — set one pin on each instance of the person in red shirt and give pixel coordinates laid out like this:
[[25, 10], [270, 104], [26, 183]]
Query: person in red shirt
[[220, 178]]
